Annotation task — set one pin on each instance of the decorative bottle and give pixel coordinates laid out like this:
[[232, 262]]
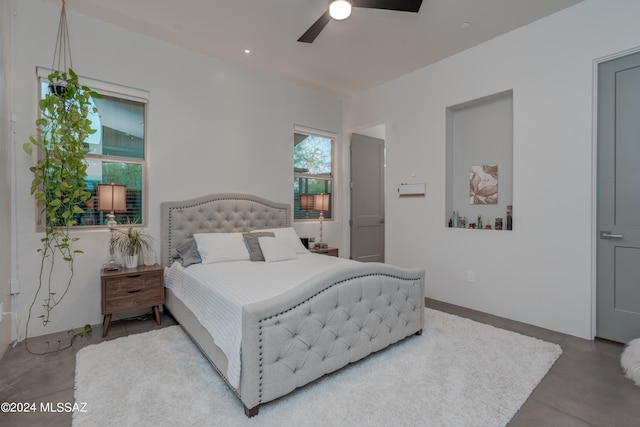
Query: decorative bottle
[[509, 217], [454, 219]]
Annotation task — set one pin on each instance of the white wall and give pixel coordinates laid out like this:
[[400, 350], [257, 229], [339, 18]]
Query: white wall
[[212, 127], [541, 272], [5, 172]]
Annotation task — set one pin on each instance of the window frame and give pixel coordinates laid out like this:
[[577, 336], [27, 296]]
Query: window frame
[[331, 179], [114, 91]]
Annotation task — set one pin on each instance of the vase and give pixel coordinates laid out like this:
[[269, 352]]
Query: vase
[[131, 261], [149, 257]]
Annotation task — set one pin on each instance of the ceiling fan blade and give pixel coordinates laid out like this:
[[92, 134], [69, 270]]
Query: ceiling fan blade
[[310, 35], [401, 5]]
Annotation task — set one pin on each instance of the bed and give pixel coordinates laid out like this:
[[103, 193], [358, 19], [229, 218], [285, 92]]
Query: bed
[[332, 319]]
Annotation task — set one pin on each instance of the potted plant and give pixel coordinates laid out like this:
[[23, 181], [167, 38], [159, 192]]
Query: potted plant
[[130, 242], [58, 183]]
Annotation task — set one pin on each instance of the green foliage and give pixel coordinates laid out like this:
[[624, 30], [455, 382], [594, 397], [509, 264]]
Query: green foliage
[[129, 174], [312, 165], [312, 156], [131, 241], [58, 184], [86, 330]]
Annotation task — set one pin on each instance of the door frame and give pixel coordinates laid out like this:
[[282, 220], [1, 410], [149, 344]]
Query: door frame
[[594, 181]]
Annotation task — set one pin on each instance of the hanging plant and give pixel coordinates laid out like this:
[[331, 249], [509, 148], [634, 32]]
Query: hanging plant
[[58, 184]]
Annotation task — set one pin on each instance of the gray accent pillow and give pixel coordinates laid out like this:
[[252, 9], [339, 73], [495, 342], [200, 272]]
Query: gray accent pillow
[[189, 253], [253, 245]]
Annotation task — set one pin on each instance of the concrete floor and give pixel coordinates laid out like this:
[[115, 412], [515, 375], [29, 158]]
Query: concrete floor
[[585, 387]]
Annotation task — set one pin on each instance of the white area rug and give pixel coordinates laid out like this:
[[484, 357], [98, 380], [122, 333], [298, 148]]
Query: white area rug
[[630, 361], [458, 373]]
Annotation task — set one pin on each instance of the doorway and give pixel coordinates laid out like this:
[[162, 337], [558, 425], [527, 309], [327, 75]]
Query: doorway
[[367, 195], [618, 200]]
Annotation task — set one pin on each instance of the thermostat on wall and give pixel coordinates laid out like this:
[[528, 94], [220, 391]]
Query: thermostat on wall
[[412, 190]]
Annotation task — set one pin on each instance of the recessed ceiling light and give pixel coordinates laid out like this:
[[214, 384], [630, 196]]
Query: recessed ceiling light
[[340, 9], [465, 25], [247, 51]]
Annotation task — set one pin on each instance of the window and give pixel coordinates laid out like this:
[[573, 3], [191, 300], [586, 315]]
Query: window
[[313, 175], [117, 151]]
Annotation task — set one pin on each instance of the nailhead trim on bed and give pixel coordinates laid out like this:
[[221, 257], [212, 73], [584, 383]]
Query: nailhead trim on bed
[[302, 329]]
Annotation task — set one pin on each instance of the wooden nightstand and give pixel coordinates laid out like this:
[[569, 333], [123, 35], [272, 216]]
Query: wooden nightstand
[[325, 251], [129, 289]]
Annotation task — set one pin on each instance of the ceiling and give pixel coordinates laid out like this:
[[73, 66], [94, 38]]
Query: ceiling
[[369, 48]]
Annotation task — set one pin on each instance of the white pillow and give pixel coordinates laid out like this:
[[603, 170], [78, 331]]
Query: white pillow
[[276, 249], [220, 247], [290, 233]]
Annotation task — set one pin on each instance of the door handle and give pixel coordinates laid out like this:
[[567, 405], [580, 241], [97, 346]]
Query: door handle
[[608, 235]]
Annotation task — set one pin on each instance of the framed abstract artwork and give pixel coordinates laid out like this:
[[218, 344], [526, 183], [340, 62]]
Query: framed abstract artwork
[[483, 185]]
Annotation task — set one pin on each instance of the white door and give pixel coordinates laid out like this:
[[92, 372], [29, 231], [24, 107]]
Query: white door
[[367, 198], [618, 248]]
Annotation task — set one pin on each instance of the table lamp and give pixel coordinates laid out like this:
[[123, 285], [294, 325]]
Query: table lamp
[[112, 198], [321, 204], [306, 203]]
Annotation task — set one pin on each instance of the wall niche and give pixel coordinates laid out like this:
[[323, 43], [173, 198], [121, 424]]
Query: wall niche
[[479, 154]]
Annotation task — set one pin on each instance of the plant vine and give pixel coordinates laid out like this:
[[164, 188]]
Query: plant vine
[[58, 184]]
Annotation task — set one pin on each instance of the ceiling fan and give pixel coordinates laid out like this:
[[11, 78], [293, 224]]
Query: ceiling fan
[[341, 9]]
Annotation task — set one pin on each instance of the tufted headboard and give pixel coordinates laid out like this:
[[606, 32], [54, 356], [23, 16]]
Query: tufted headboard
[[217, 213]]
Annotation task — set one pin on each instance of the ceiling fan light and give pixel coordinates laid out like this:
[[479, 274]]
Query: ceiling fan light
[[340, 9]]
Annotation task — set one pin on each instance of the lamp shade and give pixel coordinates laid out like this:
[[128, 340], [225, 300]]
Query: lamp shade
[[112, 197], [340, 9], [321, 202], [306, 202]]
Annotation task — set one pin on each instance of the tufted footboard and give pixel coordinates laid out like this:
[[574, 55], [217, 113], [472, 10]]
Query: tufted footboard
[[332, 320]]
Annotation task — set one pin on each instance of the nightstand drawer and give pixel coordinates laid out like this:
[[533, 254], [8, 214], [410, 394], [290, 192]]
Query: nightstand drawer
[[131, 291], [133, 299], [126, 285]]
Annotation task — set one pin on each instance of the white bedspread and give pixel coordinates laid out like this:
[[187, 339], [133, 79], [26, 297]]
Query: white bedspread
[[216, 293]]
